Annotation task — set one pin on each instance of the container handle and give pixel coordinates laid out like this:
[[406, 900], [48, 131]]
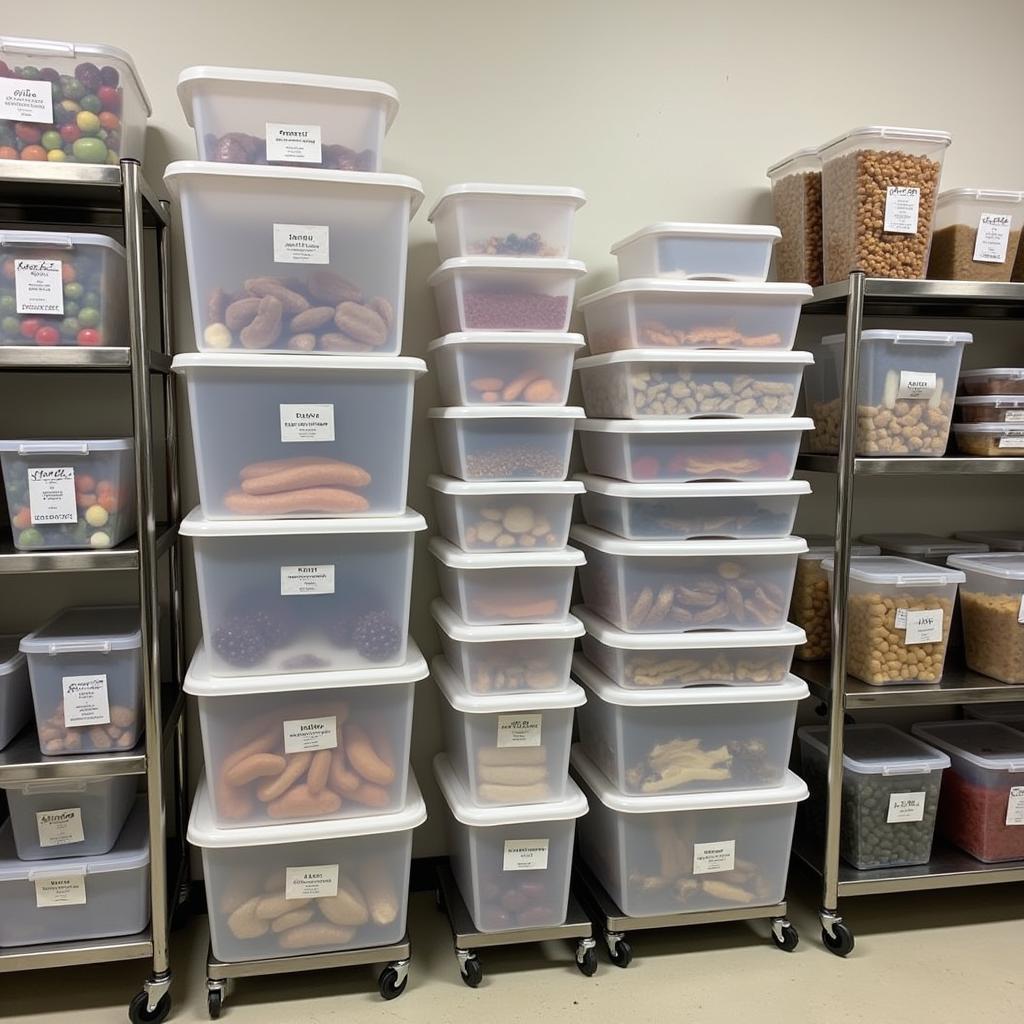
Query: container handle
[[55, 786], [914, 768], [30, 46], [44, 241], [937, 340], [41, 874], [78, 647], [53, 448]]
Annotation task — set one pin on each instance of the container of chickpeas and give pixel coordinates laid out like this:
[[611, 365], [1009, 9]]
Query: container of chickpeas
[[796, 206], [898, 617]]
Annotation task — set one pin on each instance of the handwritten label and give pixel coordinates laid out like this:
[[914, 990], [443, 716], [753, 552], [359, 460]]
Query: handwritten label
[[519, 730], [302, 243], [306, 579], [311, 883], [62, 891], [923, 627], [525, 855], [1012, 441], [85, 700], [1015, 806], [38, 287], [60, 828], [993, 238], [26, 101], [902, 204], [916, 384], [307, 423], [293, 143], [710, 858], [905, 807], [310, 734], [51, 495]]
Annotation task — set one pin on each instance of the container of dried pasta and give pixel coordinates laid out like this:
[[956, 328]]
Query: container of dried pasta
[[977, 232], [796, 203], [998, 380], [990, 440]]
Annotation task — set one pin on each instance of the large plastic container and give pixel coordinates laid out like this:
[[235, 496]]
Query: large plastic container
[[995, 540], [678, 451], [15, 692], [76, 898], [512, 864], [300, 436], [295, 595], [300, 244], [522, 221], [878, 191], [991, 408], [982, 804], [506, 659], [659, 313], [69, 494], [250, 116], [49, 86], [977, 232], [306, 887], [687, 852], [796, 205], [997, 380], [1011, 713], [676, 586], [891, 785], [990, 440], [922, 547], [507, 748], [905, 391], [85, 667]]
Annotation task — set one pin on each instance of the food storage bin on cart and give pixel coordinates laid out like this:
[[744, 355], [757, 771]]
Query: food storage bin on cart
[[891, 785], [796, 205], [1011, 713], [296, 746], [982, 804], [69, 494], [511, 864], [303, 595], [83, 100], [658, 313], [905, 391], [300, 435], [522, 221], [306, 887], [922, 547], [76, 898], [990, 440], [507, 748], [85, 667], [977, 232], [271, 254], [997, 380], [679, 852], [15, 692], [991, 408], [250, 116], [995, 540]]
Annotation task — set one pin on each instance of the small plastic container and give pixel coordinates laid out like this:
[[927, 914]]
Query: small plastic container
[[505, 293], [796, 204], [652, 383], [348, 880], [878, 191], [512, 865], [990, 440], [76, 898], [15, 692], [659, 313], [63, 495], [676, 586], [977, 232], [680, 451], [499, 660], [1001, 380], [507, 748], [1011, 713], [891, 785], [295, 595], [476, 443], [687, 852], [300, 436], [85, 667], [991, 409], [995, 540], [309, 239], [510, 368], [507, 517], [905, 391], [922, 547], [491, 589], [57, 818], [982, 805], [898, 618], [644, 661], [290, 118], [521, 221], [67, 80], [299, 747]]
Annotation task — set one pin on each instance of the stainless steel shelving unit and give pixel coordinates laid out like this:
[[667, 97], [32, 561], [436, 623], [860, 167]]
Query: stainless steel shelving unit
[[118, 197]]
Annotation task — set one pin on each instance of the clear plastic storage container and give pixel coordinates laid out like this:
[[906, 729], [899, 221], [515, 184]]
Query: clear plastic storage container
[[306, 887], [15, 692], [977, 232], [995, 540], [991, 409], [1010, 713], [687, 852], [294, 118], [69, 494], [85, 667], [1001, 380], [796, 205], [990, 440], [305, 261], [297, 595], [922, 547], [512, 865], [300, 436]]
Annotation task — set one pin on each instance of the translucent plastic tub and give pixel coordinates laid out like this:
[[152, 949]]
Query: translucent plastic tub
[[977, 232], [796, 204], [295, 595], [991, 408], [69, 494], [1002, 380], [1010, 713], [270, 255], [923, 547], [990, 440], [306, 887], [300, 436], [995, 540], [15, 693]]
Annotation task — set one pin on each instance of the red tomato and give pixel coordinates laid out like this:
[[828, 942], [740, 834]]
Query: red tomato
[[107, 501], [85, 500], [104, 487], [27, 132], [29, 327], [84, 484], [89, 336], [47, 336], [109, 96], [8, 152], [646, 467], [34, 153], [8, 269], [22, 519], [70, 132], [109, 121], [68, 272]]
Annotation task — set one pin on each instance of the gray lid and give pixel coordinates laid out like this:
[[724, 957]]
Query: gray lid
[[880, 749], [11, 657]]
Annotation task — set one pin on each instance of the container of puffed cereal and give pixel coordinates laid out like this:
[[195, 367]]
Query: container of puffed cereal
[[796, 204]]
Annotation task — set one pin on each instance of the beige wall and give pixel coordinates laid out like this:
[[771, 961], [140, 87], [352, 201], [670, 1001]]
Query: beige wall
[[659, 110]]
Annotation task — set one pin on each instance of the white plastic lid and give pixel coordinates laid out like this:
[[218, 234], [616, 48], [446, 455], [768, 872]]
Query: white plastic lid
[[508, 412], [990, 745], [1004, 565], [457, 629], [504, 264], [1007, 429], [87, 631], [807, 156], [945, 339], [58, 240], [878, 750], [922, 545], [114, 444], [481, 489], [667, 425], [601, 540], [997, 401], [997, 540], [282, 361], [195, 524], [725, 357], [455, 558], [489, 338], [901, 572], [724, 489], [1010, 713], [572, 805], [712, 289], [995, 372], [487, 190], [875, 131], [820, 547], [491, 704], [11, 659], [685, 229], [982, 195]]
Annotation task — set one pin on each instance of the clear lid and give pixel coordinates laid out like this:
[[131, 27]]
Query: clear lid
[[507, 412], [878, 750], [982, 195], [685, 229], [455, 558], [990, 745], [900, 572], [87, 631], [1004, 565], [1004, 429], [821, 546], [195, 524], [499, 703], [994, 373], [736, 291], [483, 488], [941, 339], [996, 401], [724, 489], [57, 240], [11, 659], [883, 133], [457, 629], [113, 444], [487, 338], [610, 544], [806, 159], [997, 540], [1010, 713], [725, 357], [506, 264], [658, 425], [922, 545], [488, 190], [283, 361]]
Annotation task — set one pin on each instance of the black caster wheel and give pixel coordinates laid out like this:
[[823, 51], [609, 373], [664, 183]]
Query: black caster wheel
[[214, 1003], [472, 973], [789, 939], [622, 954], [841, 943], [388, 984], [139, 1012], [587, 962]]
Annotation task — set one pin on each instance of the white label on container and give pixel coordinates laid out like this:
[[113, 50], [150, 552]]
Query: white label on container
[[993, 237], [85, 700], [60, 828], [311, 883], [1015, 806], [26, 101], [519, 730], [64, 891], [293, 143], [905, 807], [924, 626], [310, 734], [1020, 610], [307, 423], [38, 286], [916, 384], [902, 204], [901, 618], [1011, 441], [525, 855], [306, 579], [1013, 416], [51, 495], [710, 858], [302, 243]]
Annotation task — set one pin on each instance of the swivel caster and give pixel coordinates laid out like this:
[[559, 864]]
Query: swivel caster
[[472, 972], [784, 935], [214, 1003], [586, 957], [836, 937], [620, 951], [140, 1013], [393, 979]]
